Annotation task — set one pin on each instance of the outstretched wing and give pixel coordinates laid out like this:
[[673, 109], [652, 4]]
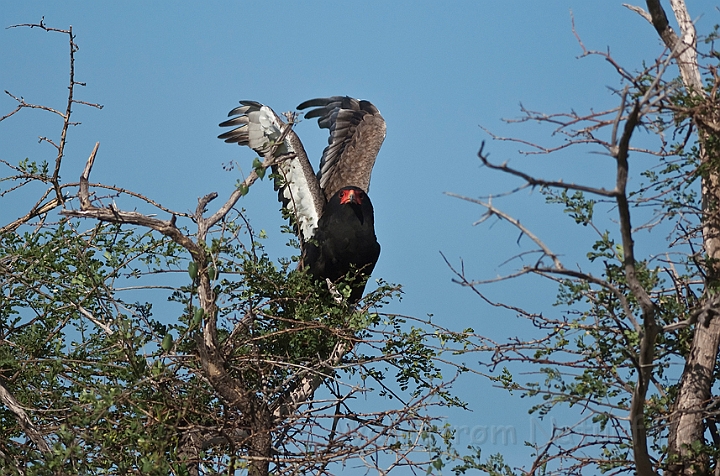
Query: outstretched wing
[[260, 128], [357, 131]]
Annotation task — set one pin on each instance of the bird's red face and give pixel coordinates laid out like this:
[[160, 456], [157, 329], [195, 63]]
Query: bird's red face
[[351, 196]]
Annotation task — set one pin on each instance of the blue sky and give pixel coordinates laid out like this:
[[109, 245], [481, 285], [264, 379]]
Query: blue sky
[[167, 74]]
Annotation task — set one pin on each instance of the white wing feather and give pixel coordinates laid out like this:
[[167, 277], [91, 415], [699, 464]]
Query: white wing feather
[[260, 129]]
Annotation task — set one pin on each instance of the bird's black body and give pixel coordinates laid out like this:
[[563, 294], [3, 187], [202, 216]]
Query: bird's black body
[[344, 242]]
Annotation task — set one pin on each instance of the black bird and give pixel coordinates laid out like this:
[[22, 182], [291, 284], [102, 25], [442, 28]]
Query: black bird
[[332, 211]]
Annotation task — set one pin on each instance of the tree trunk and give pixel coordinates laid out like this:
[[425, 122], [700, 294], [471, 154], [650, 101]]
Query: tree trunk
[[687, 426], [261, 440]]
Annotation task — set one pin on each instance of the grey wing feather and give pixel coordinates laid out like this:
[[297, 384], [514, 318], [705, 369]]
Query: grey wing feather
[[357, 131], [259, 128]]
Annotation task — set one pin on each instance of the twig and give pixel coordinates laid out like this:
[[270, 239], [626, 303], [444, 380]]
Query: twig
[[492, 210]]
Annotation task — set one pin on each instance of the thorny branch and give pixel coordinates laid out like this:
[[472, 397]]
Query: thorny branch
[[633, 112], [492, 211], [687, 424], [210, 352], [54, 180], [268, 423]]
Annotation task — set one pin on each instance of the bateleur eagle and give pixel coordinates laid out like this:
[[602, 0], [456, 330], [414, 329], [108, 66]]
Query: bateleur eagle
[[331, 209]]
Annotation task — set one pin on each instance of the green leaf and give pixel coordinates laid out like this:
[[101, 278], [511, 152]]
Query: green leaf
[[193, 270], [167, 342], [198, 315]]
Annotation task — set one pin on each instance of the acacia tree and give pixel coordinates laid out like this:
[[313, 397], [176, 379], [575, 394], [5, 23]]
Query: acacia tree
[[253, 368], [632, 320]]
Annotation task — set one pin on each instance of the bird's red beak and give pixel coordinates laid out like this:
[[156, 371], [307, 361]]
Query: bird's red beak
[[351, 196]]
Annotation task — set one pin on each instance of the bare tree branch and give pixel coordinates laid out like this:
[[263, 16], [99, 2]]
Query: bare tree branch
[[492, 211], [27, 425]]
